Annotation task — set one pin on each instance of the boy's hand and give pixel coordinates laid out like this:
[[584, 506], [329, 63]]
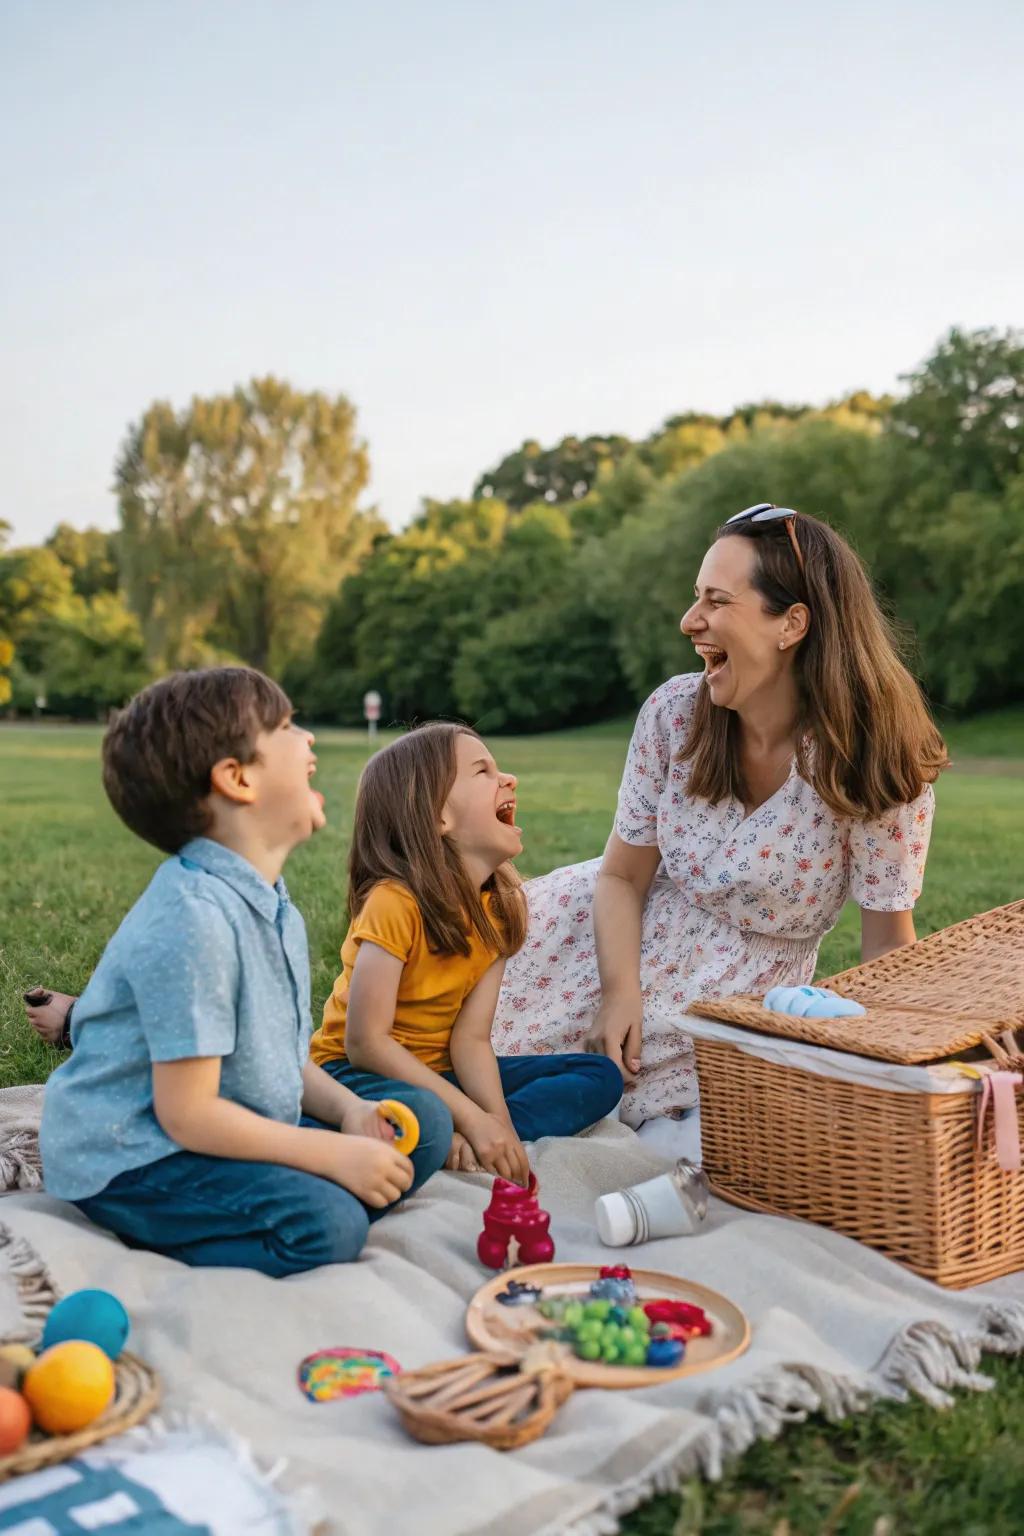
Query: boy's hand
[[368, 1168], [497, 1147], [461, 1157], [365, 1119]]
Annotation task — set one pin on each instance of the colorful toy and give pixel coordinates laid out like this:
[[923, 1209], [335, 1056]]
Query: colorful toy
[[69, 1386], [685, 1320], [332, 1373], [514, 1213], [406, 1126], [95, 1316], [664, 1353]]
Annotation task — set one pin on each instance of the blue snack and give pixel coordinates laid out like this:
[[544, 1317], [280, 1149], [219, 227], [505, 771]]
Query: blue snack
[[609, 1288], [519, 1294], [663, 1353]]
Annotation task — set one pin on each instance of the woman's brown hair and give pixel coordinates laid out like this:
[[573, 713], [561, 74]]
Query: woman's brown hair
[[865, 739], [397, 836]]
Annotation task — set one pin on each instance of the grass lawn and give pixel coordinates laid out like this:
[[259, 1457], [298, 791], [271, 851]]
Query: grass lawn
[[71, 872]]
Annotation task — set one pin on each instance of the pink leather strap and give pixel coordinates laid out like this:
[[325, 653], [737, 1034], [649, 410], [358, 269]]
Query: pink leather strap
[[1000, 1088]]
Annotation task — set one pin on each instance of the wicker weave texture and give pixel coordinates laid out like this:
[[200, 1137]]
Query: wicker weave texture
[[924, 1002], [897, 1171]]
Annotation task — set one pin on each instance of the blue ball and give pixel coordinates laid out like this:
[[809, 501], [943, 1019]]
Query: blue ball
[[665, 1352], [95, 1316]]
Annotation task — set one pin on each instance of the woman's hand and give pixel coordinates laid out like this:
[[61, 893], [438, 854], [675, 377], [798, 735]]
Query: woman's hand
[[496, 1146], [617, 1032]]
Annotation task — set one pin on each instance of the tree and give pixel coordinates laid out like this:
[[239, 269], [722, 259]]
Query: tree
[[89, 554], [563, 473], [965, 410], [239, 515]]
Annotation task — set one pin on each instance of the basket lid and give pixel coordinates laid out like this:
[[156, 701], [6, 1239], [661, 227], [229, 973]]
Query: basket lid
[[924, 1002]]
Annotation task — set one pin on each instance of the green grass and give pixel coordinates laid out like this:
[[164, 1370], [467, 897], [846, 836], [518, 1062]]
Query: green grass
[[71, 872]]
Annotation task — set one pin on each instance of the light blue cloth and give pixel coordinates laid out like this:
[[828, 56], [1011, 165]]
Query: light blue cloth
[[811, 1003], [210, 961]]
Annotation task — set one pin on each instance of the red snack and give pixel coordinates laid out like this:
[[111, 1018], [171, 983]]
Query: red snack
[[686, 1320], [514, 1212], [616, 1272]]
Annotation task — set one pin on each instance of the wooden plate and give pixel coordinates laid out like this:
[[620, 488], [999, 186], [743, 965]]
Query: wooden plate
[[491, 1326]]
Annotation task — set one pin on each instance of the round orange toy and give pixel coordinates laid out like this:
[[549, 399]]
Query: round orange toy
[[407, 1127], [69, 1386], [15, 1420]]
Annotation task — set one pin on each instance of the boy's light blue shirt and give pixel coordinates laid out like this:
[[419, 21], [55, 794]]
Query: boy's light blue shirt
[[210, 961]]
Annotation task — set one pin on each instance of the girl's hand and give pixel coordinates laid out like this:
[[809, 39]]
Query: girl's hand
[[497, 1147], [365, 1119], [617, 1032], [368, 1168], [461, 1157]]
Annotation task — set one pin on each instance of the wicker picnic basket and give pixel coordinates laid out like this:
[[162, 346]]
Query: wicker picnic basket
[[900, 1171], [136, 1390]]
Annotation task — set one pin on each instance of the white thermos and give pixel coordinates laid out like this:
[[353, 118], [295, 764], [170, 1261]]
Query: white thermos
[[672, 1205]]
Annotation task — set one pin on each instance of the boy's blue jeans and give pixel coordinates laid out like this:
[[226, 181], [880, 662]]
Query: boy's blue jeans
[[546, 1095], [281, 1221]]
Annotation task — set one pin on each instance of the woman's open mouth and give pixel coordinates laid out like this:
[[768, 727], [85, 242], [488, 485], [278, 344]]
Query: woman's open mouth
[[713, 657]]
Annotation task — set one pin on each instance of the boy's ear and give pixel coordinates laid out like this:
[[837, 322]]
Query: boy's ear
[[230, 778]]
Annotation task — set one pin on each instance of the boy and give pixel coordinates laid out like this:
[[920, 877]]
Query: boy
[[177, 1121]]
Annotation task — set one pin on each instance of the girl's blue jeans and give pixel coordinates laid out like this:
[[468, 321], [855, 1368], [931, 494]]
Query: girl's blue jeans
[[281, 1221], [546, 1095]]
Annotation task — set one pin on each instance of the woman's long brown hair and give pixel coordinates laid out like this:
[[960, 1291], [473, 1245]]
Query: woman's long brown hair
[[397, 836], [865, 739]]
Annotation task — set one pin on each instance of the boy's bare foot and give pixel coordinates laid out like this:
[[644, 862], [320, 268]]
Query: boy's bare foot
[[461, 1157], [47, 1013]]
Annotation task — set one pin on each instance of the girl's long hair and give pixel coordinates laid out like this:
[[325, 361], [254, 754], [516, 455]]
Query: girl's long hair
[[865, 739], [397, 836]]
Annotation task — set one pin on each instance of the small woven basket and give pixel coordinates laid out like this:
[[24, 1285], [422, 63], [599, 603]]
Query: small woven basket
[[482, 1397], [136, 1390], [899, 1171]]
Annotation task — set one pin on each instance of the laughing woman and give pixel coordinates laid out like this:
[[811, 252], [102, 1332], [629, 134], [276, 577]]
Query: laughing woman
[[794, 773]]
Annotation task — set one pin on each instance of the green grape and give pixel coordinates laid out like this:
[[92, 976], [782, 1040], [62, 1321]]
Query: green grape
[[610, 1354], [590, 1328], [635, 1354], [588, 1349], [597, 1308], [628, 1335], [573, 1314], [610, 1334], [546, 1308], [638, 1319]]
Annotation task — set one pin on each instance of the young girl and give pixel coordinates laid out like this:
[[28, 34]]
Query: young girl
[[435, 908]]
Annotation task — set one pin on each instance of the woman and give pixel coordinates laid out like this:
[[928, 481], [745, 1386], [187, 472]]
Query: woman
[[794, 773]]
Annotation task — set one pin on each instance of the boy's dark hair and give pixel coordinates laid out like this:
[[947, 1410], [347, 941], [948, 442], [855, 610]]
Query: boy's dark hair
[[159, 750]]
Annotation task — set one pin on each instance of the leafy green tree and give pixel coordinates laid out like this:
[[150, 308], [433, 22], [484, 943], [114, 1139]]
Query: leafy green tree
[[239, 515], [965, 410], [566, 472], [89, 554]]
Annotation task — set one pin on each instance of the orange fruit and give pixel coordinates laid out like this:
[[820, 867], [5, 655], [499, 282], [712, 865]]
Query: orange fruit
[[15, 1420], [69, 1386]]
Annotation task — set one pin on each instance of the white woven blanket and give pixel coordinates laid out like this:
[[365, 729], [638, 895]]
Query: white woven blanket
[[834, 1326]]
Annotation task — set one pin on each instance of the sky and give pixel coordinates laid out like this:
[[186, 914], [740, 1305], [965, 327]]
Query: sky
[[484, 223]]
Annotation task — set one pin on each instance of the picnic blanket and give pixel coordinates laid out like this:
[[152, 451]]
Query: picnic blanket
[[835, 1326]]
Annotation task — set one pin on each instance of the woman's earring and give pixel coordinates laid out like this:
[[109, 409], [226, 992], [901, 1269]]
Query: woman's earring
[[782, 645]]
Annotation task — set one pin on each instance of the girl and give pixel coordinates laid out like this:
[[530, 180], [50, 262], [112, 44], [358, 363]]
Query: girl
[[435, 909]]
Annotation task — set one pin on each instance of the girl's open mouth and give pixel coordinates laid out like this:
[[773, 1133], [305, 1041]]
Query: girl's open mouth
[[713, 657], [506, 814]]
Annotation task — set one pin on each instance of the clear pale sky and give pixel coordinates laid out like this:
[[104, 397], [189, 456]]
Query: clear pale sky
[[486, 223]]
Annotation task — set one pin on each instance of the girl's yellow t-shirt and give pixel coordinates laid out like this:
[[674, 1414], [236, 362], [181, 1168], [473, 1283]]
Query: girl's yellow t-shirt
[[432, 988]]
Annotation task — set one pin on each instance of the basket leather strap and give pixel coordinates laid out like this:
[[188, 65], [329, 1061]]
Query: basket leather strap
[[1000, 1088]]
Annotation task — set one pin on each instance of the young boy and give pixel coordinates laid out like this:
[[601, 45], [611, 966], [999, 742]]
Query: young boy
[[177, 1122]]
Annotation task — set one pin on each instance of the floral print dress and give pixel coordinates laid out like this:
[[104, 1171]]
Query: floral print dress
[[738, 904]]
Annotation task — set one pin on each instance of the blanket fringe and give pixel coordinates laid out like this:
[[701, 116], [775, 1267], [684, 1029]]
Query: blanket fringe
[[926, 1360], [36, 1290]]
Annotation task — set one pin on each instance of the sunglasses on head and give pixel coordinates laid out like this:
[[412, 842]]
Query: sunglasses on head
[[767, 512]]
